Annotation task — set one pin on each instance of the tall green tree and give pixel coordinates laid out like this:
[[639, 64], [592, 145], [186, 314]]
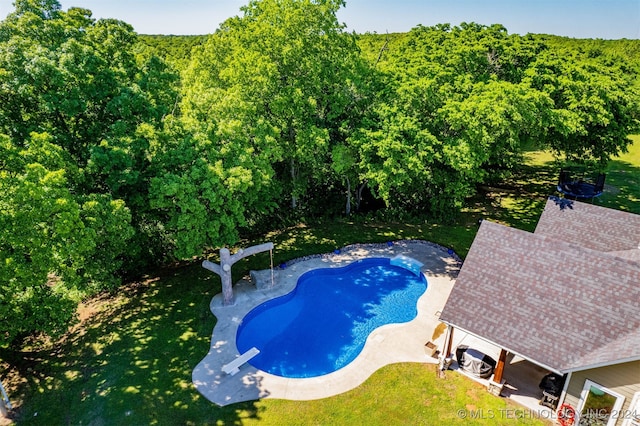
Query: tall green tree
[[280, 81], [77, 79], [38, 223], [453, 111], [55, 247], [74, 108], [202, 196], [461, 102], [596, 104]]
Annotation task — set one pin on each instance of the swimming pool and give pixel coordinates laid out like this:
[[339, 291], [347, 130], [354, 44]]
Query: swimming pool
[[322, 325]]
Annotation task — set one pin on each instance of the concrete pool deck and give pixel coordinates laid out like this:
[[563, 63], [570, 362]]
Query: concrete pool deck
[[389, 344]]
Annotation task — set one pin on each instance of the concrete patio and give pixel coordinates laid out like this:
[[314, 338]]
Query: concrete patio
[[521, 376], [392, 343], [389, 344]]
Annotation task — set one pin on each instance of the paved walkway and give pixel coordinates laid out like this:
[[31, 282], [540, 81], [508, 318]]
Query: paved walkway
[[389, 344]]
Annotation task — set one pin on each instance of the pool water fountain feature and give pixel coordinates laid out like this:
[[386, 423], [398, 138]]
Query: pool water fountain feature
[[227, 260]]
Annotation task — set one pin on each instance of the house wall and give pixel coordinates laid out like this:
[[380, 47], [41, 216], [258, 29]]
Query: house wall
[[621, 378]]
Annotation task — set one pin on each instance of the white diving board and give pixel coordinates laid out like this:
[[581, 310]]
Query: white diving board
[[408, 263], [234, 366]]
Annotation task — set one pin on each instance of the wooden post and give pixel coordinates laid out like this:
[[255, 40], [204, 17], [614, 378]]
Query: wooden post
[[497, 375], [449, 344]]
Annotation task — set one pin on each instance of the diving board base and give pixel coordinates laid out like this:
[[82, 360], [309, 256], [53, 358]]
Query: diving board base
[[234, 366]]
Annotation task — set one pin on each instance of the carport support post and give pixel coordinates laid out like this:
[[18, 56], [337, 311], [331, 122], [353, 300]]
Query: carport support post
[[497, 375], [496, 384], [447, 351]]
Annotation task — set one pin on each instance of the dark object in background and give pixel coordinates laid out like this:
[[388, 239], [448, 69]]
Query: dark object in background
[[475, 362], [551, 386], [578, 186]]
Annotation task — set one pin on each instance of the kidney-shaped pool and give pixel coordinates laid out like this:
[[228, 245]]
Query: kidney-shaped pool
[[322, 325]]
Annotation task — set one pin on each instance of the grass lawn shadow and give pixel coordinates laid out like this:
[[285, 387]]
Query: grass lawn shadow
[[130, 360]]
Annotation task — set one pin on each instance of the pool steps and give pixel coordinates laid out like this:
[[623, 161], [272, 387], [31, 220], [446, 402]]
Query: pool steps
[[234, 366], [407, 263]]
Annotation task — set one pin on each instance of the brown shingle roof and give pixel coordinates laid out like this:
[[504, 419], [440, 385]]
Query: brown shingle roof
[[631, 255], [563, 306], [588, 225]]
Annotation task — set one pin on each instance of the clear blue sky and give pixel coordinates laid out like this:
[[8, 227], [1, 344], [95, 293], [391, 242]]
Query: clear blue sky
[[608, 19]]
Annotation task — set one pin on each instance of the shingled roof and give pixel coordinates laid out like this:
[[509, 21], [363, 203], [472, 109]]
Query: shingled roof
[[591, 226], [538, 295]]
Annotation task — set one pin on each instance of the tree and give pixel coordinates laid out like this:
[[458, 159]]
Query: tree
[[202, 196], [453, 110], [461, 102], [595, 105], [280, 81], [33, 241], [53, 248], [75, 106], [77, 79]]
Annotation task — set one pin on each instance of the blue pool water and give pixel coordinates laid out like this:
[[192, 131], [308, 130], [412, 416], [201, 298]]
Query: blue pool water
[[322, 325]]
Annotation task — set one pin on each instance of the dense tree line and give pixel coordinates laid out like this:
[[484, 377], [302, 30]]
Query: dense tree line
[[77, 111], [119, 152], [172, 48], [468, 98]]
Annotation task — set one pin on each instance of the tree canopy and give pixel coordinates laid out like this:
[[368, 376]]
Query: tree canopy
[[462, 102], [119, 152], [281, 83], [72, 100]]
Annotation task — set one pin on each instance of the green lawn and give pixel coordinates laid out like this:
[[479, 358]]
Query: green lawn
[[130, 360], [131, 363], [623, 180], [622, 185]]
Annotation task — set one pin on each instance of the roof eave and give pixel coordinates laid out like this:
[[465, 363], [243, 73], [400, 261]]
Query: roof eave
[[603, 364], [527, 357]]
